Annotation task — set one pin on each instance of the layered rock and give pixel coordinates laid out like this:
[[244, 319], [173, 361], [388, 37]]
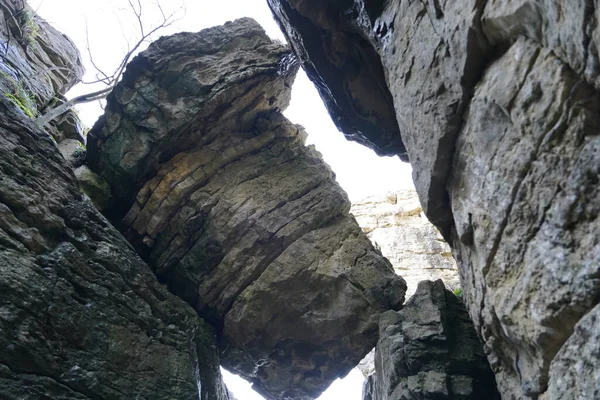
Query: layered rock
[[236, 215], [498, 108], [429, 350], [81, 315], [396, 225]]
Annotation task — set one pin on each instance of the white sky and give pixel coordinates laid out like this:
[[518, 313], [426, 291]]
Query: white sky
[[359, 170]]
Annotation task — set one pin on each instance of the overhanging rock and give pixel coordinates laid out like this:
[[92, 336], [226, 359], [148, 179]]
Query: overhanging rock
[[220, 195]]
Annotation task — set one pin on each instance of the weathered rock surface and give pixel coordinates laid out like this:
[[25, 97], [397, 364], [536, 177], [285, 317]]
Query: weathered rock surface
[[329, 47], [396, 225], [81, 316], [429, 350], [498, 108], [38, 62], [239, 217]]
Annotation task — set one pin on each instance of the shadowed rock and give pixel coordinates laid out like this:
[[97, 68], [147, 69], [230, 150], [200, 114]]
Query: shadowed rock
[[346, 71], [430, 350], [81, 315], [221, 196]]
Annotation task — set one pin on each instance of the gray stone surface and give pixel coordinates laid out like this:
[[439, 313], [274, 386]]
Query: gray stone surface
[[81, 315], [36, 57], [236, 215], [396, 225], [429, 350], [497, 102]]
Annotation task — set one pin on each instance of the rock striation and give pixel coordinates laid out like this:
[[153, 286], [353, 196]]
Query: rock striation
[[81, 315], [429, 350], [219, 194], [396, 225], [498, 108]]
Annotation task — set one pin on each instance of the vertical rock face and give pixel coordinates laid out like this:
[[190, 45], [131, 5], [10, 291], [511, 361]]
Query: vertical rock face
[[497, 103], [430, 350], [81, 316], [220, 195], [396, 225]]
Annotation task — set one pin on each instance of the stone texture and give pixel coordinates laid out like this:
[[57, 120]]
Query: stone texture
[[236, 215], [429, 350], [43, 62], [328, 46], [81, 316], [530, 268], [497, 102], [95, 187], [396, 225]]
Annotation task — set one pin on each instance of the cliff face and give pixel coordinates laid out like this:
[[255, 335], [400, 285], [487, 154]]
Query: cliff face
[[218, 193], [498, 108], [396, 225], [81, 315]]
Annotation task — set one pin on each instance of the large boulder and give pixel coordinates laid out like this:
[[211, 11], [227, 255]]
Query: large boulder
[[499, 110], [429, 350], [220, 195]]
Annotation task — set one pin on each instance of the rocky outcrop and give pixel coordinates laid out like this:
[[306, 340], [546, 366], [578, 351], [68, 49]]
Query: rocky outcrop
[[429, 350], [236, 215], [498, 108], [396, 225], [38, 63], [346, 71], [81, 316]]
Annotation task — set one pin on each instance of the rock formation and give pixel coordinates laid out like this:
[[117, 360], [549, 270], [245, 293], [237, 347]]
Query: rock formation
[[429, 350], [396, 225], [218, 193], [498, 108], [81, 315]]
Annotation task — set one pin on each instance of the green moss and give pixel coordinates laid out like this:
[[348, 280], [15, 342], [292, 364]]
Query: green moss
[[30, 30], [458, 292], [18, 103]]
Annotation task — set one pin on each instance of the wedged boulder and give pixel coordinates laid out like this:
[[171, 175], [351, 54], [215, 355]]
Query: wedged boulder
[[236, 215], [81, 315], [498, 107], [429, 350], [184, 91]]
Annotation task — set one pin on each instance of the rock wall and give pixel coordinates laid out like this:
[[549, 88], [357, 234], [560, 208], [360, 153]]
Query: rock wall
[[217, 191], [429, 350], [498, 108], [396, 225], [81, 315]]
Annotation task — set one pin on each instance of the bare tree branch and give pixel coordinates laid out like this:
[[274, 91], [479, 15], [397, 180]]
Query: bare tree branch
[[111, 80]]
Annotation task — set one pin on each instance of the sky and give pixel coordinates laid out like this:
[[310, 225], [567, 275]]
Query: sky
[[109, 22]]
